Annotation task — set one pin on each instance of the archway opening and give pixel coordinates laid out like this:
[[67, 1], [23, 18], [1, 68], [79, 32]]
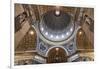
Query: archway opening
[[57, 55]]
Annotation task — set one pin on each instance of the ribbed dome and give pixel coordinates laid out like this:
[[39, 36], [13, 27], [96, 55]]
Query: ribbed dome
[[56, 27], [56, 22]]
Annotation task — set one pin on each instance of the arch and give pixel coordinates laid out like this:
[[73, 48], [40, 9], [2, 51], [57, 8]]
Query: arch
[[29, 41], [32, 37], [56, 47], [82, 41], [57, 55]]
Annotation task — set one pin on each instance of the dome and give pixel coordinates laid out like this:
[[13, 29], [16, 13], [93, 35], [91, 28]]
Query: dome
[[56, 25], [56, 22]]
